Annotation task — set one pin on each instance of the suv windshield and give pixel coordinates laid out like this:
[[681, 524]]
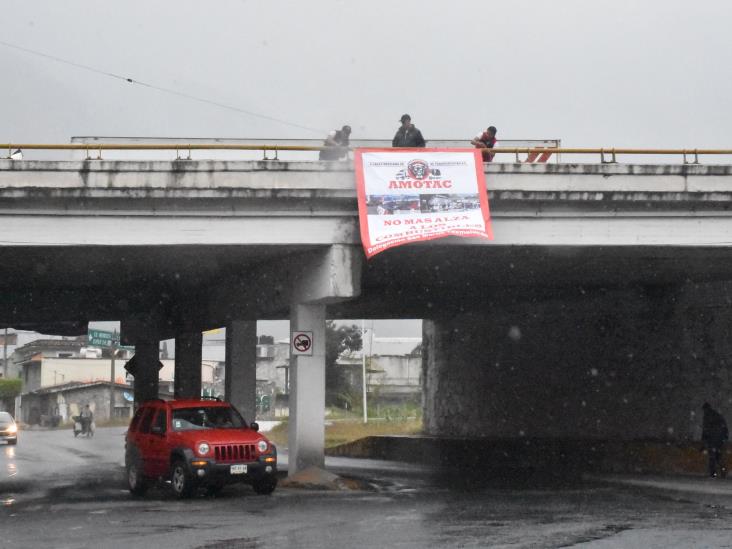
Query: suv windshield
[[5, 417], [207, 417]]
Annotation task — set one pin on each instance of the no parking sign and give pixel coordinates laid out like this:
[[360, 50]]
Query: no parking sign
[[302, 343]]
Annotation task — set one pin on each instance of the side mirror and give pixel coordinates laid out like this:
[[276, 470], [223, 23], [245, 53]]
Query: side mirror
[[254, 426]]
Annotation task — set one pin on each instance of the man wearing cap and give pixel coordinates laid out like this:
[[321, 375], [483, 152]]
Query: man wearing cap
[[407, 135], [485, 141]]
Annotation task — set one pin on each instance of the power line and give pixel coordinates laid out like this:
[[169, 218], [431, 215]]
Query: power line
[[130, 80]]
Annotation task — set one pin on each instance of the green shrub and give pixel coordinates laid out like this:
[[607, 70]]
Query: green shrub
[[10, 388]]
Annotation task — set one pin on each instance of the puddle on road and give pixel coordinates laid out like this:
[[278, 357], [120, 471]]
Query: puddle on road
[[243, 543]]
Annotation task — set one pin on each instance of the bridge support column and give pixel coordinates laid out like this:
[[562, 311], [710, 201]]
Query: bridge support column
[[307, 392], [331, 276], [144, 366], [188, 365], [627, 367], [240, 383]]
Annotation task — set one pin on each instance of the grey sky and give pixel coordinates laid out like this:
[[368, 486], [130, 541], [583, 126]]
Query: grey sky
[[613, 73]]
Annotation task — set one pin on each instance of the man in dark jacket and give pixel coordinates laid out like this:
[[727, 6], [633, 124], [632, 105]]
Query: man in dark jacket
[[714, 437], [407, 135]]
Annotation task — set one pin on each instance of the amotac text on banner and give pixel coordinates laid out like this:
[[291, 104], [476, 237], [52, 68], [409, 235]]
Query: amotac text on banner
[[411, 195]]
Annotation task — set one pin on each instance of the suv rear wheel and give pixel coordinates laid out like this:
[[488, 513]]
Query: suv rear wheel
[[181, 481], [136, 482]]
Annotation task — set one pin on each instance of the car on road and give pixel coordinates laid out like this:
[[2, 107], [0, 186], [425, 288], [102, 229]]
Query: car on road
[[196, 443], [8, 428]]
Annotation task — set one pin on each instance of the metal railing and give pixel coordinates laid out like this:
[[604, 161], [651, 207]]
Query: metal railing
[[183, 150]]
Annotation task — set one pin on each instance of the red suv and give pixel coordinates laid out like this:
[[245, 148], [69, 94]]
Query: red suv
[[197, 443]]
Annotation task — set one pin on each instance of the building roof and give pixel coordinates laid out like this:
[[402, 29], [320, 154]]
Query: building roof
[[75, 385], [39, 346]]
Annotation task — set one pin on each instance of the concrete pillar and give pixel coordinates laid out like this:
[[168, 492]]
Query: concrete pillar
[[240, 383], [145, 365], [188, 365], [307, 392]]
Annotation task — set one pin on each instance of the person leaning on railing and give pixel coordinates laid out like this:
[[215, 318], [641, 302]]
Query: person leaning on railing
[[336, 144], [485, 141]]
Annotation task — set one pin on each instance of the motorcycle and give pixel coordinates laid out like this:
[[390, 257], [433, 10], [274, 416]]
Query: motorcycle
[[83, 428]]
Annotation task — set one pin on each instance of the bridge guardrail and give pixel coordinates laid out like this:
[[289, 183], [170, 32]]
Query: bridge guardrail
[[269, 151]]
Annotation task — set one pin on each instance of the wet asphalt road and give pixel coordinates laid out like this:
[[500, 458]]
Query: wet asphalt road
[[61, 492]]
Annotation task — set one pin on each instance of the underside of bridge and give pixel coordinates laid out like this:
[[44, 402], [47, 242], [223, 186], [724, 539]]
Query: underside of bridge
[[59, 289], [572, 342]]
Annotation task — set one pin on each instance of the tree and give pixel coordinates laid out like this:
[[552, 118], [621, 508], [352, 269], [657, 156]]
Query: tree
[[10, 388], [338, 339], [266, 340]]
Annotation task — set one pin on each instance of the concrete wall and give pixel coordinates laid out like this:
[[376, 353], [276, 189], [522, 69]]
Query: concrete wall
[[56, 371], [307, 203], [272, 368], [37, 409], [621, 364], [398, 373]]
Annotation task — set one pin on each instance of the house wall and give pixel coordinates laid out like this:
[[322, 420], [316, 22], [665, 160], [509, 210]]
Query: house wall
[[38, 409], [56, 371]]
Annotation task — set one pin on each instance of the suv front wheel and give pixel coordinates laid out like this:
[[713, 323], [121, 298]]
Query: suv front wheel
[[181, 481]]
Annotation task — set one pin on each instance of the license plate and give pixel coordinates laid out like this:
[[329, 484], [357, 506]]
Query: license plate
[[238, 469]]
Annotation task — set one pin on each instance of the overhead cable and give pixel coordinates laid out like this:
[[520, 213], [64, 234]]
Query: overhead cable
[[130, 80]]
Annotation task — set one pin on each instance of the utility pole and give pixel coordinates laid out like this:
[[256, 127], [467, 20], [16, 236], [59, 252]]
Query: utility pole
[[5, 354], [363, 370]]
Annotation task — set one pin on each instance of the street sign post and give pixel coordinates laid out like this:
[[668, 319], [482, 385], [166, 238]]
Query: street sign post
[[103, 338]]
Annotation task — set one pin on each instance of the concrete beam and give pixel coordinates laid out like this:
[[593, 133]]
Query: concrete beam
[[331, 276], [326, 275], [240, 382]]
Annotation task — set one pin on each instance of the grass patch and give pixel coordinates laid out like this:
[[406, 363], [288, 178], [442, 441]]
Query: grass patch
[[340, 432]]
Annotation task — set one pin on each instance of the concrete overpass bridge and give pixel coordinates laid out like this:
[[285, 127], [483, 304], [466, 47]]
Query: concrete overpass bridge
[[601, 309]]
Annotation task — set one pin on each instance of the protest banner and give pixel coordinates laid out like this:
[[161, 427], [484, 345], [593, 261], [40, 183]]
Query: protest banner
[[412, 195]]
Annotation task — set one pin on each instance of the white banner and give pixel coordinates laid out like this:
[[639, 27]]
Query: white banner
[[410, 195]]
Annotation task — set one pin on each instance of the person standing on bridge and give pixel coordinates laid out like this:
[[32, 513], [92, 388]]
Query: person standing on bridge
[[336, 144], [407, 135], [486, 141], [714, 437]]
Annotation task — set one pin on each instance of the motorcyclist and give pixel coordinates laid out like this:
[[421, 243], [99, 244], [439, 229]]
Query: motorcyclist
[[86, 419]]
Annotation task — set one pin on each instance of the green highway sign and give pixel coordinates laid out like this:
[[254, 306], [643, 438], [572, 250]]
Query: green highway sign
[[102, 338]]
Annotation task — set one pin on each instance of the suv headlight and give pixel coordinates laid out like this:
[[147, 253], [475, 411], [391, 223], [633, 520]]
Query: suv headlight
[[13, 429], [262, 446], [203, 448]]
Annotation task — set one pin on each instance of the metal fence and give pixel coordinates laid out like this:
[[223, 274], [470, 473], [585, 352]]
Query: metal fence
[[509, 150]]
